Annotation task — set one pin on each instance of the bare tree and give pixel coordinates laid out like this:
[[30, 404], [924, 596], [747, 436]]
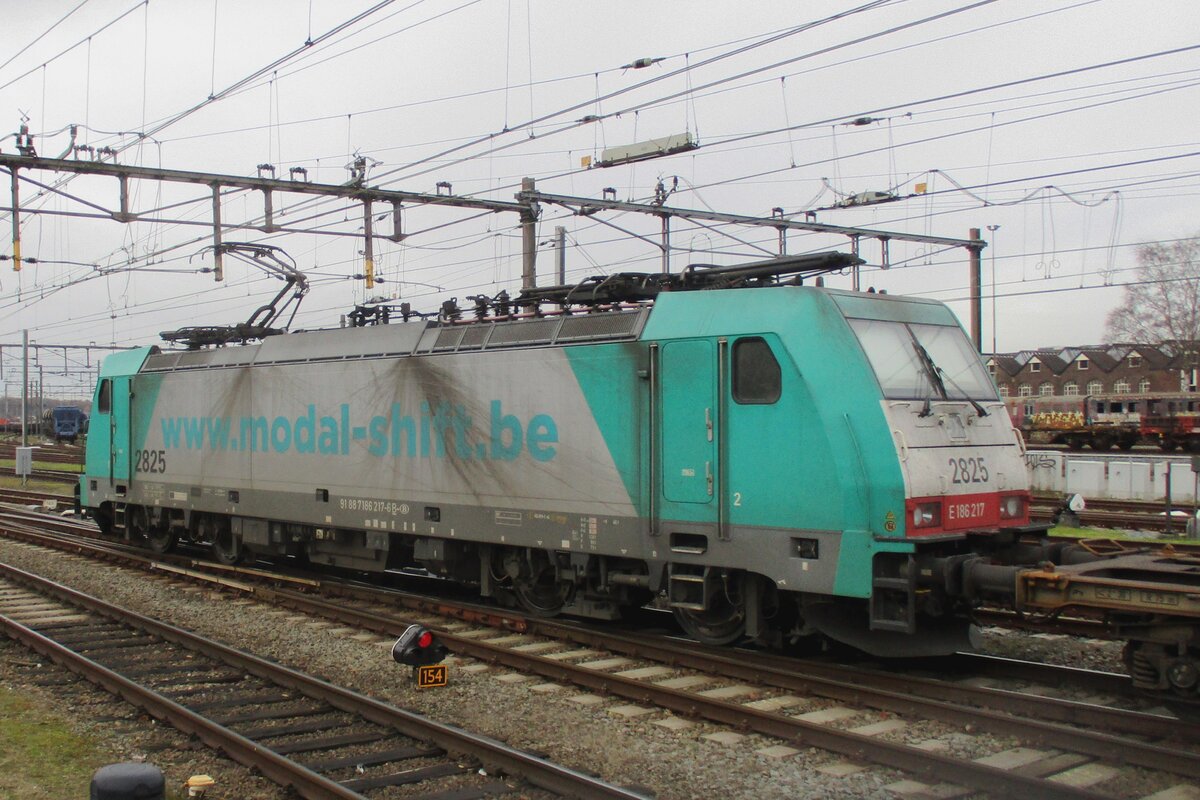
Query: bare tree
[[1162, 303]]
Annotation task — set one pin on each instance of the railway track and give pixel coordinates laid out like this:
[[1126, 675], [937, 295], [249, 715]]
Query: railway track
[[293, 728], [64, 476], [48, 453], [68, 476], [803, 703], [28, 497], [1123, 514], [71, 459]]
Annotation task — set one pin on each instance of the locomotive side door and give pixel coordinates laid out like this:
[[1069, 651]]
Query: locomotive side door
[[689, 423], [120, 431]]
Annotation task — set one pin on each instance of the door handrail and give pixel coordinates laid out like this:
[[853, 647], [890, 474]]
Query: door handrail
[[722, 414], [655, 400]]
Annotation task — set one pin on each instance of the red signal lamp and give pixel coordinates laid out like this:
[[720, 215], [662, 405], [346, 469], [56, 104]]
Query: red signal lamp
[[418, 647]]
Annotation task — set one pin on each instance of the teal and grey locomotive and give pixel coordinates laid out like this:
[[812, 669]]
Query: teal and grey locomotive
[[774, 460]]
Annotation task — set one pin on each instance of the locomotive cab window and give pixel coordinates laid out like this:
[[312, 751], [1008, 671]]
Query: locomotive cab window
[[104, 401], [917, 360], [756, 376]]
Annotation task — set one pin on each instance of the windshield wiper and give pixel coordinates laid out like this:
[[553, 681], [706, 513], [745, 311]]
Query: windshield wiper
[[938, 377], [931, 372], [979, 409]]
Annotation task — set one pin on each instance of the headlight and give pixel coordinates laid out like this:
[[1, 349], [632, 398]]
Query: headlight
[[1012, 507], [926, 515]]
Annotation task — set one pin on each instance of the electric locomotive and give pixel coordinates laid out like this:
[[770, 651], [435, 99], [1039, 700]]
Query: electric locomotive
[[772, 459]]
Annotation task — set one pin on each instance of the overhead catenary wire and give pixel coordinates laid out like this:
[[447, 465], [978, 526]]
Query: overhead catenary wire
[[787, 126], [1131, 245], [212, 98], [594, 75], [185, 302], [690, 90], [625, 263], [926, 140], [1041, 190], [1045, 175], [711, 147], [917, 121], [86, 40], [42, 35], [777, 37], [265, 70], [316, 47], [874, 4], [639, 106], [968, 92]]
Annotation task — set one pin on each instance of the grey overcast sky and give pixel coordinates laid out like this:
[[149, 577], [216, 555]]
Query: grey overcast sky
[[765, 87]]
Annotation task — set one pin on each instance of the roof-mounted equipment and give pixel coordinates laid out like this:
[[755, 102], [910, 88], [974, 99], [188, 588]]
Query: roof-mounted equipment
[[271, 260]]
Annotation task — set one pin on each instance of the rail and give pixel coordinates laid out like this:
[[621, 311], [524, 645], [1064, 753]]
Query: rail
[[448, 739]]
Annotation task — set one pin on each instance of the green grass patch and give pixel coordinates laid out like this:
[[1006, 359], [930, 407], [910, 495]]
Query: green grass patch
[[8, 464], [41, 756], [1108, 533], [1081, 533], [10, 481]]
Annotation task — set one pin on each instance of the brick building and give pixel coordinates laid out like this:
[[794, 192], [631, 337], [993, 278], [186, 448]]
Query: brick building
[[1100, 369]]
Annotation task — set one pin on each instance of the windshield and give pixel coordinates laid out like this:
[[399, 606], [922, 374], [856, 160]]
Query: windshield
[[916, 361]]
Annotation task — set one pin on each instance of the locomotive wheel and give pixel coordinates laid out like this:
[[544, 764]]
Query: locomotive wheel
[[542, 599], [226, 546], [161, 540], [535, 583], [104, 519], [137, 522], [723, 624], [157, 536], [542, 595]]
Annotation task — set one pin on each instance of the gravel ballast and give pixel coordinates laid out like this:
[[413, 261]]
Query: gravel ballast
[[672, 762]]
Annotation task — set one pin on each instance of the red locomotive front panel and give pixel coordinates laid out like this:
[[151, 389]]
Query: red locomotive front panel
[[928, 516]]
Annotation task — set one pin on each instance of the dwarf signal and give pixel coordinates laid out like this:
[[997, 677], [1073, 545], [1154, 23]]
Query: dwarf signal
[[419, 648]]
